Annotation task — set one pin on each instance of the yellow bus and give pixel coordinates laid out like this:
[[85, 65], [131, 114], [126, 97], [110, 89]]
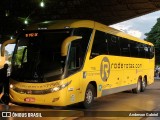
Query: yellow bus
[[2, 61], [65, 62]]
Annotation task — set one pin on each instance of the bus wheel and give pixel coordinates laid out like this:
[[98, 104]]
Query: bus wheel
[[89, 96], [143, 85], [138, 88]]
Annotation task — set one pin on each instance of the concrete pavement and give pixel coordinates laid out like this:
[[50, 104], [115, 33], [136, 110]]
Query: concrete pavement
[[124, 101]]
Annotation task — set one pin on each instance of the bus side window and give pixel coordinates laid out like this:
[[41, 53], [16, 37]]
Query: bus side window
[[134, 49], [72, 56], [113, 45], [125, 47], [152, 52], [147, 50], [100, 45], [142, 52], [82, 45]]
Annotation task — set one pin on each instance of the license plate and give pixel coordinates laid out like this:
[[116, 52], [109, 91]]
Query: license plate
[[29, 99]]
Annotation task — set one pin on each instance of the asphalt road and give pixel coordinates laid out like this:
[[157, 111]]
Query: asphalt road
[[120, 106]]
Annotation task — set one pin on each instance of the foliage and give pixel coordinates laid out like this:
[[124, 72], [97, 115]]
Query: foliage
[[154, 37], [19, 55]]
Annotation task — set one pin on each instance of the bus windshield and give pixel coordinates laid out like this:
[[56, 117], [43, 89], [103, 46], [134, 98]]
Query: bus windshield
[[37, 56]]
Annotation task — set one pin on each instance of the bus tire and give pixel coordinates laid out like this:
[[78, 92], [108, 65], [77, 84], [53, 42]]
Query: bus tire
[[89, 96], [143, 85], [138, 87]]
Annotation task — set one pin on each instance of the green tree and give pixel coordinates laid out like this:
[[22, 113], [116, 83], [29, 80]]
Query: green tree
[[154, 37], [19, 56]]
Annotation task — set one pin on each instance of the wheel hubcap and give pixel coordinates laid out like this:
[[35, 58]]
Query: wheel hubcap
[[139, 86], [144, 83], [89, 96]]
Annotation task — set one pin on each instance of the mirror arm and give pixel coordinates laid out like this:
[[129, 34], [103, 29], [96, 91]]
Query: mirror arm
[[66, 42]]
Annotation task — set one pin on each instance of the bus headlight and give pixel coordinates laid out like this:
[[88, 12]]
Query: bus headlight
[[55, 89], [63, 86]]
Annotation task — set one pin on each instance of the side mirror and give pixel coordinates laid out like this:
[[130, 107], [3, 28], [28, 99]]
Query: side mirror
[[12, 41], [66, 42]]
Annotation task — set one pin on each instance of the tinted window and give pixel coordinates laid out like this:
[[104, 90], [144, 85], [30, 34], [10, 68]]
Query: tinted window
[[82, 44], [142, 52], [99, 46], [113, 44], [78, 49], [86, 34], [151, 52], [125, 47], [134, 49], [74, 56], [147, 49], [39, 56], [107, 44]]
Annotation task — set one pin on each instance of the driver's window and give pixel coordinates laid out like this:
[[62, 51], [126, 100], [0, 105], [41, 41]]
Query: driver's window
[[78, 49], [74, 55]]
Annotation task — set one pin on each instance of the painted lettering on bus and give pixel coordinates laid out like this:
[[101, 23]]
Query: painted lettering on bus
[[125, 66], [40, 86]]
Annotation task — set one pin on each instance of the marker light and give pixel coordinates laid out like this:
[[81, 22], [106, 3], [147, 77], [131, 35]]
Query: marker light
[[7, 13], [42, 4], [26, 21], [11, 86], [11, 37]]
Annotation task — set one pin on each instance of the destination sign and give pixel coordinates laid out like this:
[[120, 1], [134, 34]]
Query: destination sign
[[31, 34]]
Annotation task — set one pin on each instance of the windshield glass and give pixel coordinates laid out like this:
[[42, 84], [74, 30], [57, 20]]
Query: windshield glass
[[37, 56]]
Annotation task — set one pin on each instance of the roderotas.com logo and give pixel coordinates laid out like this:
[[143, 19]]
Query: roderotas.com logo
[[105, 69]]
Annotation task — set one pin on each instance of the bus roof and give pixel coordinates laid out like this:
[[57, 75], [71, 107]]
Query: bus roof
[[64, 24], [61, 24]]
